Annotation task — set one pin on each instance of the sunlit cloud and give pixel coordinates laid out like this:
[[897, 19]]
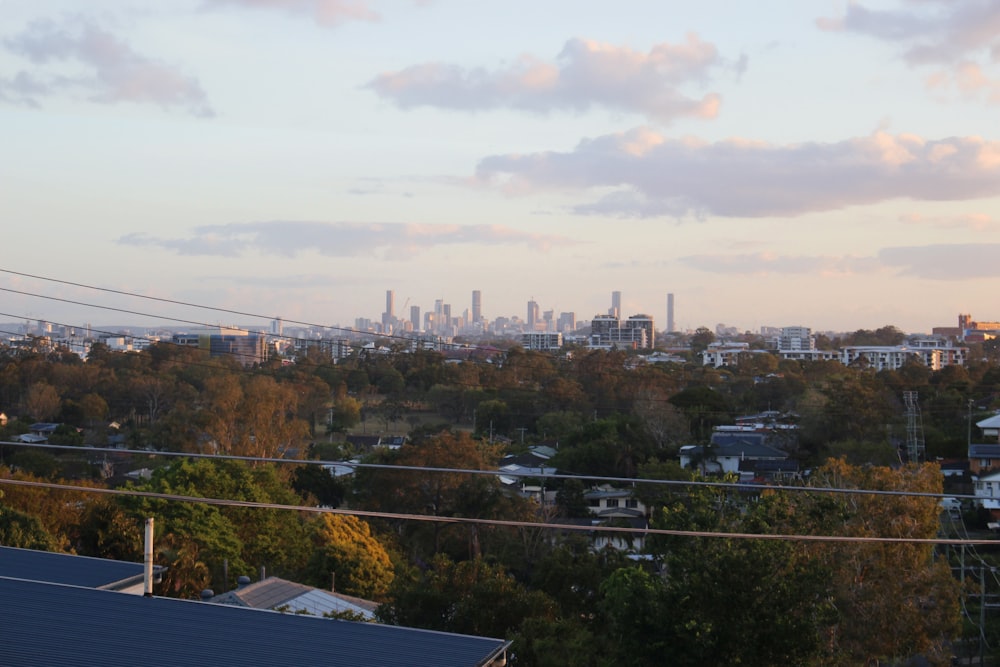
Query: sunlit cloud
[[327, 13], [585, 74], [106, 70], [961, 40], [293, 238], [959, 261], [928, 262], [740, 178], [977, 222], [765, 263]]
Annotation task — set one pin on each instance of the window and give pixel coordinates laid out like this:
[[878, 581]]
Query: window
[[632, 503], [611, 502]]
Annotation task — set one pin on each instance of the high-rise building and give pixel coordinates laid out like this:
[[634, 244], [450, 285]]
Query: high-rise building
[[644, 322], [389, 315], [616, 304], [477, 306], [277, 326], [532, 319], [415, 317]]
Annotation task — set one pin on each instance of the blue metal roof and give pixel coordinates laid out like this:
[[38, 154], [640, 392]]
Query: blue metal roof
[[60, 568], [53, 624]]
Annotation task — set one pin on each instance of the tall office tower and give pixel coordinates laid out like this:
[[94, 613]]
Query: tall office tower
[[532, 317], [567, 322], [670, 312], [446, 314], [415, 317], [616, 305], [388, 316], [548, 317], [277, 326], [477, 306]]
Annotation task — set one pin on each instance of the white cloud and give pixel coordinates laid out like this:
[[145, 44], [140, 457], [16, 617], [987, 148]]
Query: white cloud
[[110, 71], [764, 263], [961, 40], [977, 222], [928, 262], [343, 239], [944, 261], [327, 13], [740, 178], [585, 74]]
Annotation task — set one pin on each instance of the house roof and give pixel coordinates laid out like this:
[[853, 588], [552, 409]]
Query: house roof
[[746, 450], [69, 625], [989, 422], [274, 592], [60, 568], [980, 451]]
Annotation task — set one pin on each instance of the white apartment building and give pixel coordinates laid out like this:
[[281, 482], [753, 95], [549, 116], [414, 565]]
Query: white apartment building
[[541, 340]]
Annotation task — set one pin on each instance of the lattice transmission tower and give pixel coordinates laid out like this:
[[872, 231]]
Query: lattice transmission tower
[[914, 428]]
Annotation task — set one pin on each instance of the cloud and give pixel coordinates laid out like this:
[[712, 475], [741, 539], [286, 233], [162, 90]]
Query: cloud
[[977, 222], [112, 71], [291, 238], [959, 261], [651, 175], [929, 262], [764, 263], [327, 13], [960, 39], [585, 74]]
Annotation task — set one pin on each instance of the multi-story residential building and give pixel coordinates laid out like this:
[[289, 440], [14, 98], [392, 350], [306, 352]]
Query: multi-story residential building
[[644, 322], [894, 357], [796, 339], [541, 340]]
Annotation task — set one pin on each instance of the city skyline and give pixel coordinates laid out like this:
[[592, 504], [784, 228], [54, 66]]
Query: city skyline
[[828, 165]]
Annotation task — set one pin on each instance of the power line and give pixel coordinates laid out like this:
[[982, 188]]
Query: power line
[[741, 486], [496, 522]]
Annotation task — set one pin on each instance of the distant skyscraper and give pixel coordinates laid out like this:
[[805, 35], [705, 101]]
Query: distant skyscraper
[[616, 304], [670, 312], [532, 318], [277, 326], [415, 317], [389, 315], [477, 306]]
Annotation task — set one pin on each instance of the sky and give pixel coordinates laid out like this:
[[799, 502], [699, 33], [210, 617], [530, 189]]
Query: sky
[[825, 164]]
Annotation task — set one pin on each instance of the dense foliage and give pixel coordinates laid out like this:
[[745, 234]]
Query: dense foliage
[[686, 600]]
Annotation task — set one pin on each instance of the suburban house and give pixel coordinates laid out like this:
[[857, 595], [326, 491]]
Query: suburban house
[[987, 489], [990, 428], [742, 456], [983, 457], [617, 508], [517, 472]]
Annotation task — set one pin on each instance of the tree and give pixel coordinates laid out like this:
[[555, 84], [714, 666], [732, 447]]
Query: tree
[[24, 531], [436, 493], [896, 600], [347, 552], [470, 597], [42, 401]]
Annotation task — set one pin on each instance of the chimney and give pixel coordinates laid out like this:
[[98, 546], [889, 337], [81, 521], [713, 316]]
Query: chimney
[[147, 574]]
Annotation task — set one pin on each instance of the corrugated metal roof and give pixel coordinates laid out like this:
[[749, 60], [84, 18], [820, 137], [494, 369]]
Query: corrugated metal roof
[[52, 624], [60, 568]]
